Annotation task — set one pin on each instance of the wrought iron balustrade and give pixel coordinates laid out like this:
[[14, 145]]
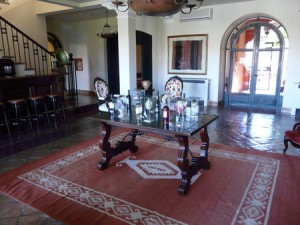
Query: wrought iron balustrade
[[22, 49]]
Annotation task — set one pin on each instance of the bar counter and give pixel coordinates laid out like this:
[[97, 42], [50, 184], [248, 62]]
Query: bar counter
[[24, 86]]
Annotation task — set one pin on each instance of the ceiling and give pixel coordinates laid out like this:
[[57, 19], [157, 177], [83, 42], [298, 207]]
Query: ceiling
[[92, 9], [81, 15]]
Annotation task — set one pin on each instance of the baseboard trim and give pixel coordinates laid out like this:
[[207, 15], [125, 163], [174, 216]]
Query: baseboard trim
[[212, 103]]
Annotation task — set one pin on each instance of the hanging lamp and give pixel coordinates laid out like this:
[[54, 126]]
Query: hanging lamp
[[107, 32]]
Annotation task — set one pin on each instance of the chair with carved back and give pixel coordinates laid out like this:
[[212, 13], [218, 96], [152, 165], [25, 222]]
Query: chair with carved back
[[101, 89], [292, 136], [174, 87]]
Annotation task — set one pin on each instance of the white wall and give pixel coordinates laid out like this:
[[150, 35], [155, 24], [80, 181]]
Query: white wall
[[22, 15], [286, 12], [291, 20], [81, 40]]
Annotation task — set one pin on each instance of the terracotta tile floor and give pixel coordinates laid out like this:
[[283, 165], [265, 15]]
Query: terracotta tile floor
[[243, 128]]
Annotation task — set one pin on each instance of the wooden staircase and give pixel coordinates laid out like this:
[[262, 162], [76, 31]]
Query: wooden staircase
[[23, 50]]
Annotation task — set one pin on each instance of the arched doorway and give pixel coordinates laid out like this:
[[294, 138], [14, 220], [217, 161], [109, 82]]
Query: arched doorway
[[254, 60], [53, 42]]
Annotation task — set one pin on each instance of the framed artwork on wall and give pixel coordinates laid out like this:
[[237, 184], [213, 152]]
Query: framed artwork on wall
[[78, 64], [187, 54]]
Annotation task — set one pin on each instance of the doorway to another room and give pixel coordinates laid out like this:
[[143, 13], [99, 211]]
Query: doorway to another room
[[255, 64], [143, 58], [144, 61]]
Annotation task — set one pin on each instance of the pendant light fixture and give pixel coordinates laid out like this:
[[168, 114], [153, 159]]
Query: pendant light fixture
[[107, 31]]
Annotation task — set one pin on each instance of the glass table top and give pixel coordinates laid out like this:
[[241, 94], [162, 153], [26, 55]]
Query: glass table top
[[154, 123]]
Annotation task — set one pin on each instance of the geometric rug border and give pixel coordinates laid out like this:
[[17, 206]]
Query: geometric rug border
[[256, 202], [254, 207]]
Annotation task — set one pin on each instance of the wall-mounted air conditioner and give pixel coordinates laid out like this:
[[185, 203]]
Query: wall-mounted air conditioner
[[199, 14]]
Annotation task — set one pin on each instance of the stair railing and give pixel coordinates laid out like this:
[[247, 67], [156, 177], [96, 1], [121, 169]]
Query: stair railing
[[22, 49]]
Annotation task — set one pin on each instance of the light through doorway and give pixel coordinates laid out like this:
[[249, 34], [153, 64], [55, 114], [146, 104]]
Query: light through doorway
[[255, 64]]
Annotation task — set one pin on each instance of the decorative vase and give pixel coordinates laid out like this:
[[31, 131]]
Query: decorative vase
[[146, 84]]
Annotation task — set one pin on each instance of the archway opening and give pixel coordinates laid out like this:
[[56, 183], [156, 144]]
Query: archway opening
[[255, 50]]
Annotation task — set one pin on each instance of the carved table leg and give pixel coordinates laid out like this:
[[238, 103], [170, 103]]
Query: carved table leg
[[189, 169], [132, 147], [204, 148], [105, 147], [108, 152]]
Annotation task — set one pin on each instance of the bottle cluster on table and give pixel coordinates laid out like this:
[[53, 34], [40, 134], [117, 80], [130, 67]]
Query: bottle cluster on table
[[149, 108]]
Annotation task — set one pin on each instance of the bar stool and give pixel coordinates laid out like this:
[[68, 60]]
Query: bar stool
[[38, 109], [56, 106], [19, 113], [3, 117]]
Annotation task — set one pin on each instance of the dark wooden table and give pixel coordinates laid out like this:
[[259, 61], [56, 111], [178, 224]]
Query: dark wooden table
[[189, 166]]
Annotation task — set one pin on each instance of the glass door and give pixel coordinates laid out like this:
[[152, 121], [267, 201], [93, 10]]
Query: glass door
[[255, 77]]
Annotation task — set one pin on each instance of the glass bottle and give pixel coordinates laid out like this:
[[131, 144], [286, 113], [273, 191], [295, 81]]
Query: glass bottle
[[194, 108], [166, 113], [128, 97], [111, 105], [187, 111], [157, 107], [138, 106]]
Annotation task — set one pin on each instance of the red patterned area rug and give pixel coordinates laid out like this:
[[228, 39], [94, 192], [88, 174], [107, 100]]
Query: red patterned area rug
[[241, 187]]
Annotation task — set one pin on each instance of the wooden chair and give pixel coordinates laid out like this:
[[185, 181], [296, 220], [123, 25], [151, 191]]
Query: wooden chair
[[38, 109], [292, 136], [55, 106], [101, 89], [174, 87], [46, 102], [19, 113], [4, 117]]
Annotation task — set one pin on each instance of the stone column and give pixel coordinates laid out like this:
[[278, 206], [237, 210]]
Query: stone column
[[127, 50]]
